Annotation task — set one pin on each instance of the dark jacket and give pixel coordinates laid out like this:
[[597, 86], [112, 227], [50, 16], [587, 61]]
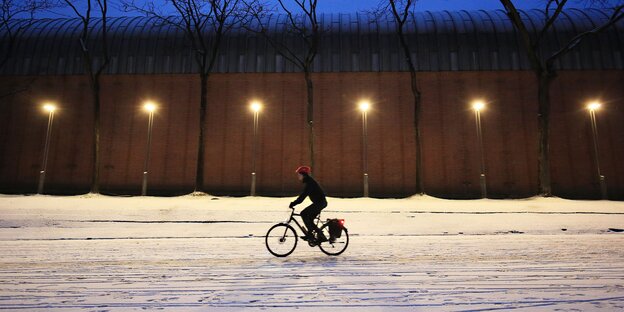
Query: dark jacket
[[312, 189]]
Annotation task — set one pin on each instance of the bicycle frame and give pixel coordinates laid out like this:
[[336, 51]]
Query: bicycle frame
[[292, 218]]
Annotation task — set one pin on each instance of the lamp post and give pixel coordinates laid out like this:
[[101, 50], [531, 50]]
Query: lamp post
[[478, 105], [50, 108], [149, 107], [364, 107], [255, 107], [593, 107]]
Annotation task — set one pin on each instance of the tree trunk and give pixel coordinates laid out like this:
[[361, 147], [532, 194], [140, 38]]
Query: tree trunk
[[95, 86], [543, 123], [420, 188], [420, 185], [310, 115], [199, 176]]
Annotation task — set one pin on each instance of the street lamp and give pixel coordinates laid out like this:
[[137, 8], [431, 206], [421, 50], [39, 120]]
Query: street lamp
[[479, 105], [255, 107], [364, 106], [593, 107], [149, 107], [50, 108]]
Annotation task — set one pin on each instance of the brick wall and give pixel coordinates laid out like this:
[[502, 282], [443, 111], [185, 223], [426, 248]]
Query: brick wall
[[450, 150]]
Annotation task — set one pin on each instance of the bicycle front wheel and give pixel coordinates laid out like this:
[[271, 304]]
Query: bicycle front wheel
[[281, 240], [335, 246]]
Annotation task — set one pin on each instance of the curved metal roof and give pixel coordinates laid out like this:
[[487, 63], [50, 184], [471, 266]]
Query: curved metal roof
[[440, 41]]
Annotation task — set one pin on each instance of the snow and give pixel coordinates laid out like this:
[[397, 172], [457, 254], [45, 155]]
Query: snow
[[198, 253]]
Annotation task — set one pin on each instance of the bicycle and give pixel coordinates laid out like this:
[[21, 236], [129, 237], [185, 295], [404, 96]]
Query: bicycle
[[281, 239]]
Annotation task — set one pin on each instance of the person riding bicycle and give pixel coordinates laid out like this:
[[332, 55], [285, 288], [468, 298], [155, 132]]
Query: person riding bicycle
[[313, 190]]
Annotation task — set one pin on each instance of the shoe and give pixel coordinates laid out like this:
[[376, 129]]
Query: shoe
[[307, 237], [321, 237]]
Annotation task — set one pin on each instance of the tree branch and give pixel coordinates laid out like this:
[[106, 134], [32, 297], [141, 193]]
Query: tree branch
[[103, 4], [293, 23], [549, 20], [10, 10], [73, 7], [529, 45], [618, 14], [262, 16], [197, 19]]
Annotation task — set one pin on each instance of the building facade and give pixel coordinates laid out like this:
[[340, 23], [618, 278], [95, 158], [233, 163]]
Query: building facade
[[460, 57]]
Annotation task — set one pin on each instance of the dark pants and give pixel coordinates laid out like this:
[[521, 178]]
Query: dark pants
[[309, 213]]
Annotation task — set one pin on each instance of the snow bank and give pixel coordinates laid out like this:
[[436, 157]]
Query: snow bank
[[199, 216]]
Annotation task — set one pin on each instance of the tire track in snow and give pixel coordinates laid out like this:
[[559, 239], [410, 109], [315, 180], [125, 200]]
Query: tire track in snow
[[472, 273]]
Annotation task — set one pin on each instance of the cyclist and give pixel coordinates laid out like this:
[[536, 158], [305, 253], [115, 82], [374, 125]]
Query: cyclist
[[313, 190]]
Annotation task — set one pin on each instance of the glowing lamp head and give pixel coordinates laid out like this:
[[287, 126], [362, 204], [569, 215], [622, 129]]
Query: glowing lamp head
[[364, 106], [49, 107], [255, 106], [149, 107], [594, 106], [478, 105]]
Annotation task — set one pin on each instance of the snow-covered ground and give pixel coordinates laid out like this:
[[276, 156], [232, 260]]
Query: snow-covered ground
[[99, 253]]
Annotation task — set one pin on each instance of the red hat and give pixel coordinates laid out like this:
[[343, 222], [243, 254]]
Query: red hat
[[303, 169]]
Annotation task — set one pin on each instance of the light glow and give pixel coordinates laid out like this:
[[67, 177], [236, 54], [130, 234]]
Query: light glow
[[478, 105], [595, 105], [255, 106], [49, 107], [149, 106], [364, 106]]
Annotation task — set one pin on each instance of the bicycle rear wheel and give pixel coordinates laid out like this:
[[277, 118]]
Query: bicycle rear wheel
[[281, 240], [338, 245]]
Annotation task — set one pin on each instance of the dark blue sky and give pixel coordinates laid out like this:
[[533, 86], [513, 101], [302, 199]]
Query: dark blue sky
[[423, 5], [346, 6]]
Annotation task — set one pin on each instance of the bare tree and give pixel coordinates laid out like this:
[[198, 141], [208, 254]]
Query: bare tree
[[543, 67], [303, 24], [10, 12], [400, 11], [92, 49], [204, 23]]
